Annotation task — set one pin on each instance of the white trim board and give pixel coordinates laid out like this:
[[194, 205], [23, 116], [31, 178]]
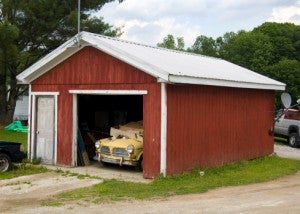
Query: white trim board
[[75, 131], [110, 92], [45, 93], [75, 110], [163, 131]]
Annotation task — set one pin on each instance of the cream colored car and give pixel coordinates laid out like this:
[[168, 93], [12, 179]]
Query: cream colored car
[[125, 147]]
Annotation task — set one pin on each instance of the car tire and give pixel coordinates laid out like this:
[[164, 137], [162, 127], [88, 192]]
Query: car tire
[[5, 163], [140, 164], [293, 140], [104, 164]]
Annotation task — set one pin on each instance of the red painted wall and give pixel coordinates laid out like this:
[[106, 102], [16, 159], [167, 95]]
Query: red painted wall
[[209, 126], [91, 69]]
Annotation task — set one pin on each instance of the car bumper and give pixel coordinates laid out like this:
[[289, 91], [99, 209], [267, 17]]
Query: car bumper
[[18, 157], [116, 160]]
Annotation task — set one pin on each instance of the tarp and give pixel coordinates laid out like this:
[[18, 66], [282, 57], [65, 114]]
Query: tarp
[[16, 126]]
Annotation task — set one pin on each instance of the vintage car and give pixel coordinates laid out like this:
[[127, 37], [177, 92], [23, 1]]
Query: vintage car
[[124, 147], [10, 152]]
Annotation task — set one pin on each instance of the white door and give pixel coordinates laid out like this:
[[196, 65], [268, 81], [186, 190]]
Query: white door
[[45, 129]]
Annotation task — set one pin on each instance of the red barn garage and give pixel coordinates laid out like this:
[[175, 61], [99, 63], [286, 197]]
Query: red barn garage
[[196, 110]]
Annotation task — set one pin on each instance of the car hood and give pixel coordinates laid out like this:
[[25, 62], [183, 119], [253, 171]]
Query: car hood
[[121, 143], [8, 143]]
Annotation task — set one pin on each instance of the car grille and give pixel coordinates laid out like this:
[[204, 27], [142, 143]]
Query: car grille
[[120, 152], [105, 150]]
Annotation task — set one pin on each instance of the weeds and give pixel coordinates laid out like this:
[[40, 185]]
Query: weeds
[[197, 181]]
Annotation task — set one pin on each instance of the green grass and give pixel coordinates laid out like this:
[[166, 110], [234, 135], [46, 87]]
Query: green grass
[[280, 141], [21, 170], [240, 173], [13, 136]]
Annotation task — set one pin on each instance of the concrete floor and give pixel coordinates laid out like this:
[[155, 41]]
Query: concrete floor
[[108, 172]]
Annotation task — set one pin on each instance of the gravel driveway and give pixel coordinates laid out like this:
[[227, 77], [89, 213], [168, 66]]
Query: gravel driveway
[[277, 196], [287, 152]]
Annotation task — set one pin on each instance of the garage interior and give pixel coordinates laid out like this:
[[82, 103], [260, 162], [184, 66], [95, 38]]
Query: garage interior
[[97, 114]]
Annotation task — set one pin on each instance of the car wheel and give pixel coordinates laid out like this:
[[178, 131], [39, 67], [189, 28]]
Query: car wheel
[[140, 165], [104, 164], [292, 140], [5, 163]]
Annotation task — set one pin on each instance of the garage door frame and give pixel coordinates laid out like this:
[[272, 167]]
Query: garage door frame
[[75, 110]]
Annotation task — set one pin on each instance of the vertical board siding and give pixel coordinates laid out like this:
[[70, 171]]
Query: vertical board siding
[[151, 124], [209, 126], [91, 69], [91, 66]]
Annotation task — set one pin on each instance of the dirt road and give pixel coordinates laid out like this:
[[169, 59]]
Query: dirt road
[[23, 195], [279, 196]]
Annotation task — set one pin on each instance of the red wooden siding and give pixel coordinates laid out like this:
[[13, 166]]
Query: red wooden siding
[[91, 66], [91, 69], [208, 126]]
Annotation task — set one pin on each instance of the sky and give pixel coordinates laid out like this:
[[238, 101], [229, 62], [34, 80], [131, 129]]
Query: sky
[[149, 21]]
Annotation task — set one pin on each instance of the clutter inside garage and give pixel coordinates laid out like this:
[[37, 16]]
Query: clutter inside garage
[[97, 114]]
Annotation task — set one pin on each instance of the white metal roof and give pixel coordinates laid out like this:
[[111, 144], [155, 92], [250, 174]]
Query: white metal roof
[[166, 65]]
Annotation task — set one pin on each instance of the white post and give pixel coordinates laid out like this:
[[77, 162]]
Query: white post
[[29, 143], [33, 126], [75, 127], [163, 132], [55, 127]]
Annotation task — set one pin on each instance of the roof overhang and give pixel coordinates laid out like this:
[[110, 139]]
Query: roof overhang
[[224, 83], [159, 71]]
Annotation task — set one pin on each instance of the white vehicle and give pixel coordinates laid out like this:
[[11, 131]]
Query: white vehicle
[[287, 124]]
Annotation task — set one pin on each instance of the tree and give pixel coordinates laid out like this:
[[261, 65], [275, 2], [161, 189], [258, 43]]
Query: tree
[[39, 26], [169, 42], [204, 45], [224, 44], [288, 72], [252, 50], [285, 38], [8, 56]]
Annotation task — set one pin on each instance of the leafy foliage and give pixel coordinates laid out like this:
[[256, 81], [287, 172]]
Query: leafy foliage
[[29, 29], [169, 42], [204, 45], [288, 71]]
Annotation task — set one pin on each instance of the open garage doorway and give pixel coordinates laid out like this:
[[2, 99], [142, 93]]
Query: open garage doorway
[[100, 112], [96, 114]]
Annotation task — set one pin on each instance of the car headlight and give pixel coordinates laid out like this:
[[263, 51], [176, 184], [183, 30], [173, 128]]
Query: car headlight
[[130, 149], [97, 144]]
